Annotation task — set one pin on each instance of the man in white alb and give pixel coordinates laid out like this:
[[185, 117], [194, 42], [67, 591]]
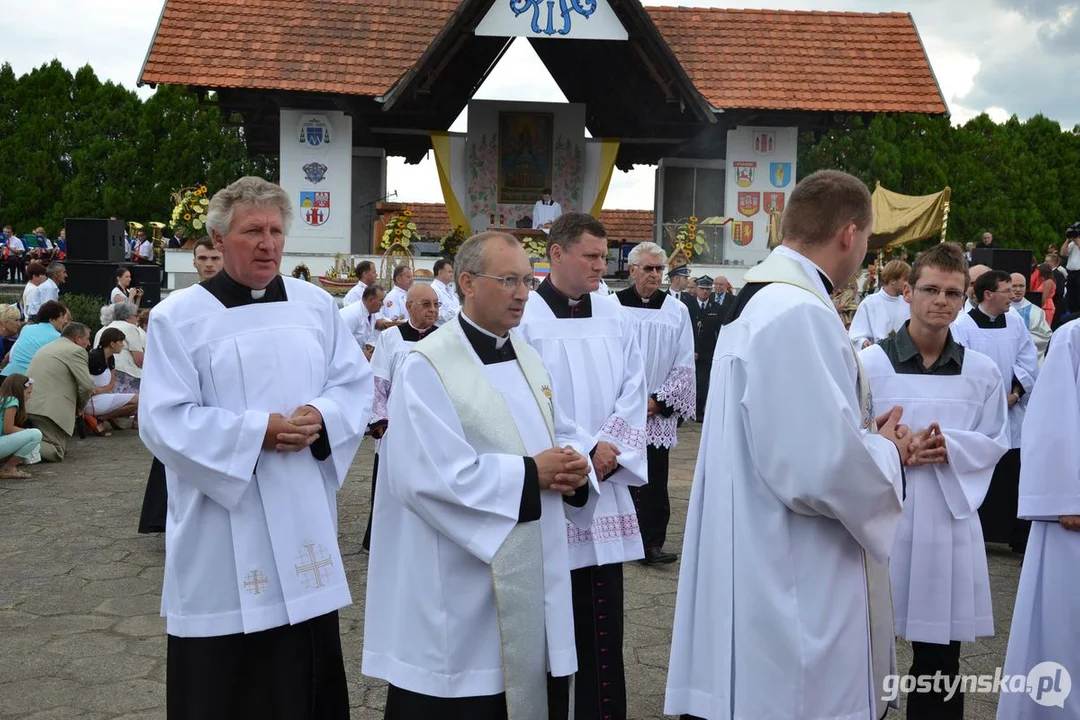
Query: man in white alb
[[881, 314], [255, 397], [783, 607], [362, 318], [442, 285], [468, 613], [393, 310], [1034, 316], [365, 277], [546, 211], [590, 348]]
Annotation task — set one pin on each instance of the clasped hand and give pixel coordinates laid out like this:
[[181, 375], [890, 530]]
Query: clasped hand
[[562, 470], [928, 447], [295, 433]]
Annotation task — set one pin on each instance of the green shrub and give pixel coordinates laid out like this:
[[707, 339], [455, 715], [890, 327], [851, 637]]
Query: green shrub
[[85, 309], [9, 299]]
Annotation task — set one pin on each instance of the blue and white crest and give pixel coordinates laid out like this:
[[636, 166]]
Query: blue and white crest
[[315, 172], [315, 132], [562, 16]]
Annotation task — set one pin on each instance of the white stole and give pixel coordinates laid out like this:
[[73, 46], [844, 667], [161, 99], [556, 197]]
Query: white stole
[[518, 567]]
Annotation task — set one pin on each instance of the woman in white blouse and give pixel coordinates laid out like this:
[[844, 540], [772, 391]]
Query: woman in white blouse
[[128, 370], [123, 292]]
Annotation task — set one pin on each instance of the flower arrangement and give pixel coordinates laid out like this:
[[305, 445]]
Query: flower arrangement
[[690, 238], [399, 229], [301, 272], [535, 246], [453, 240], [189, 213]]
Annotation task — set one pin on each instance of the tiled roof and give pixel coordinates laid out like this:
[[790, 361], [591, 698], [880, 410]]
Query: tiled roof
[[784, 60], [621, 225], [344, 47], [773, 60]]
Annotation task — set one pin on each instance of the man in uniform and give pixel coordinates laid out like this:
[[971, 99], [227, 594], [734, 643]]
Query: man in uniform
[[705, 317]]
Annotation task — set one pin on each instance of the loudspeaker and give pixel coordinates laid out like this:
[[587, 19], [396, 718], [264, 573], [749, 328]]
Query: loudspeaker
[[95, 239], [87, 277], [1011, 261]]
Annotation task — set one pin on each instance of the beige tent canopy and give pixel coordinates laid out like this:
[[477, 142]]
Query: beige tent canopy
[[902, 219]]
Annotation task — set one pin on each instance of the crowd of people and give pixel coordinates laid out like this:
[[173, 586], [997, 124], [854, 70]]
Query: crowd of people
[[848, 477]]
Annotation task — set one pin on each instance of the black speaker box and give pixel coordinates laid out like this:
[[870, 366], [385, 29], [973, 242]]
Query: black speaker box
[[1011, 261], [88, 277], [95, 239]]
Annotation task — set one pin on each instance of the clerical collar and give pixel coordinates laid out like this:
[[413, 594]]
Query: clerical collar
[[411, 334], [564, 307], [490, 348], [231, 293], [985, 322], [630, 298]]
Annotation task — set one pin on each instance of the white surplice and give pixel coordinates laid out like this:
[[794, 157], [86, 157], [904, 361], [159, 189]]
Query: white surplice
[[545, 213], [940, 580], [393, 307], [1046, 618], [449, 305], [1035, 317], [442, 511], [251, 539], [391, 349], [1012, 350], [792, 498], [666, 339], [878, 316], [598, 377]]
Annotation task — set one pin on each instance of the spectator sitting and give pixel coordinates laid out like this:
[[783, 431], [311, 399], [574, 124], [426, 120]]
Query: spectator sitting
[[19, 444], [144, 320], [123, 292], [52, 318], [48, 290], [35, 275], [128, 368], [10, 325], [105, 404], [62, 373]]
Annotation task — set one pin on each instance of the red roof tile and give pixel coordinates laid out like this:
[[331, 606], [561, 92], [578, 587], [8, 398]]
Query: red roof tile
[[621, 225], [784, 60]]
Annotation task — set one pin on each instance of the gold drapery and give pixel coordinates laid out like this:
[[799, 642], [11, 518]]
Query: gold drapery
[[902, 219]]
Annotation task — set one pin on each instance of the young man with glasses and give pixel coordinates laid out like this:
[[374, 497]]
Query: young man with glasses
[[996, 330], [954, 402], [666, 338], [597, 371]]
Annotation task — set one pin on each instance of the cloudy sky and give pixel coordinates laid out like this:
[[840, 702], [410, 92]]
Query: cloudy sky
[[1002, 57]]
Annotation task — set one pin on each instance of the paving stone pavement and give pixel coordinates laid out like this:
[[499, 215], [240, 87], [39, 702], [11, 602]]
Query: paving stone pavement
[[80, 635]]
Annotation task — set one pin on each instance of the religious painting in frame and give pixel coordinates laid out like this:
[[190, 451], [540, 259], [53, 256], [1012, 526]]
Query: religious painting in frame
[[526, 152]]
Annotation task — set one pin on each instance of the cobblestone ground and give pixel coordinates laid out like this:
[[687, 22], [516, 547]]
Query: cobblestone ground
[[80, 635]]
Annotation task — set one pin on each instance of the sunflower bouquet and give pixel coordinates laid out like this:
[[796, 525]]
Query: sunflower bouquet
[[453, 240], [399, 229], [189, 213], [690, 238]]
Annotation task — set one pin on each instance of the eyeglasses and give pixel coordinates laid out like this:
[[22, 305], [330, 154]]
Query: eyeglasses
[[510, 282], [428, 304], [932, 292], [651, 268]]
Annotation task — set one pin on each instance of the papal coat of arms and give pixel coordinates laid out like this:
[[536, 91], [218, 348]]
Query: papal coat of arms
[[749, 203], [314, 207], [742, 232], [314, 132], [744, 172], [315, 172]]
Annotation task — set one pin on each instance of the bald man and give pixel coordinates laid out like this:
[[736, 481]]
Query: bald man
[[391, 349], [973, 274], [1032, 314]]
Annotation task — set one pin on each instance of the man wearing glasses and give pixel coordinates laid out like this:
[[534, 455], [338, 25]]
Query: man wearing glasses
[[666, 338], [995, 329], [590, 349], [392, 347]]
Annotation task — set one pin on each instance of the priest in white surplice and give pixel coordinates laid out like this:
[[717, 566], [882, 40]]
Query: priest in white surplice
[[442, 284], [666, 338], [255, 397], [1046, 618], [1033, 315], [469, 612], [954, 402], [392, 347], [590, 348], [796, 498], [995, 330], [881, 314]]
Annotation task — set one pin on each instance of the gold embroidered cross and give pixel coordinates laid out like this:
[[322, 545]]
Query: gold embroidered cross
[[313, 570], [254, 581]]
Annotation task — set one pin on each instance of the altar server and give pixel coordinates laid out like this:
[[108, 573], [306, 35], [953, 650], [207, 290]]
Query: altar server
[[255, 398], [469, 613], [783, 609], [995, 330], [1032, 314], [392, 347], [1046, 618], [662, 323], [954, 402], [590, 348], [881, 314], [546, 211]]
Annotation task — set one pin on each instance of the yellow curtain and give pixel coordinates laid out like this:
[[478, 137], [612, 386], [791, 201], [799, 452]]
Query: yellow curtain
[[902, 219], [609, 149], [440, 143]]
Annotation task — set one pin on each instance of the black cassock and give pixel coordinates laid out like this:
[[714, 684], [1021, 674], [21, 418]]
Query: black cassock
[[155, 501]]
